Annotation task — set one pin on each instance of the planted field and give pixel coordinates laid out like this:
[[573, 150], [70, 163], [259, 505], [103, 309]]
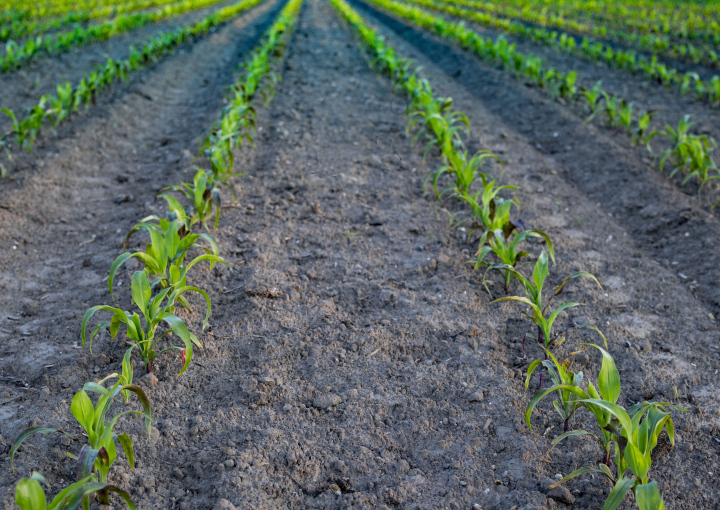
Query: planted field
[[359, 254]]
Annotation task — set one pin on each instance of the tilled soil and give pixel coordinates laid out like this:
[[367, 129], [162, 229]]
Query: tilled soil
[[354, 359]]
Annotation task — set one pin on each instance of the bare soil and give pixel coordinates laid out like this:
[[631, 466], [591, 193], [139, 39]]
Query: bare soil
[[354, 358]]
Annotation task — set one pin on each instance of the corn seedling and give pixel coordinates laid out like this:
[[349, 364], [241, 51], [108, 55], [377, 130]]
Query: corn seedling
[[640, 133], [29, 494], [145, 337], [203, 195], [164, 257], [505, 245], [100, 452], [689, 154], [633, 433], [542, 315]]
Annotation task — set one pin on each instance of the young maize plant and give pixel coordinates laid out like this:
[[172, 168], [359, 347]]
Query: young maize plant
[[29, 494], [164, 257], [204, 198], [18, 56], [145, 338], [56, 108], [543, 315], [691, 155], [99, 454], [633, 434]]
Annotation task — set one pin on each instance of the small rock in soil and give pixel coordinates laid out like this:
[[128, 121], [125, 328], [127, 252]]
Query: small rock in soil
[[223, 504], [327, 400], [559, 493]]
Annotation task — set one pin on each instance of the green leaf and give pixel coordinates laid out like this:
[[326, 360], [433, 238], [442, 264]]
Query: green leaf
[[570, 434], [127, 447], [577, 472], [144, 402], [29, 495], [90, 313], [85, 462], [618, 493], [648, 497], [115, 266], [83, 411], [530, 371], [141, 290], [204, 294], [540, 272], [542, 393], [180, 329], [609, 377], [636, 461], [616, 411]]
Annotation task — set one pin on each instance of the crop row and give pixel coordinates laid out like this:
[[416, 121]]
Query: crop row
[[55, 109], [658, 44], [688, 154], [626, 437], [18, 28], [18, 10], [688, 20], [157, 291], [651, 69], [20, 55]]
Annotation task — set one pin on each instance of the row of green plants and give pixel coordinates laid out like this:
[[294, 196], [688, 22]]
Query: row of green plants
[[20, 10], [688, 154], [17, 29], [688, 20], [53, 109], [21, 55], [627, 436], [658, 44], [650, 68], [157, 290]]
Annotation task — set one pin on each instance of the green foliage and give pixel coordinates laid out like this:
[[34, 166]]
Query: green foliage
[[689, 154], [29, 494]]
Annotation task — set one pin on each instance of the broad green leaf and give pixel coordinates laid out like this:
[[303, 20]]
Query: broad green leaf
[[609, 377], [618, 493], [648, 497], [29, 495], [636, 461], [141, 290], [540, 272], [83, 411], [127, 447]]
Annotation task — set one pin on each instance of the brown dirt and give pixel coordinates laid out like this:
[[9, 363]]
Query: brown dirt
[[378, 374]]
